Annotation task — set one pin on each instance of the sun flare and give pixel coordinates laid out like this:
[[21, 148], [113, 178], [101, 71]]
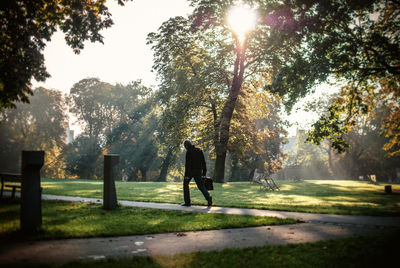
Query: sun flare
[[241, 19]]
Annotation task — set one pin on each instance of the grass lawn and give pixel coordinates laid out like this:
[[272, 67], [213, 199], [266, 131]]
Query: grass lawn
[[63, 219], [367, 251], [316, 196]]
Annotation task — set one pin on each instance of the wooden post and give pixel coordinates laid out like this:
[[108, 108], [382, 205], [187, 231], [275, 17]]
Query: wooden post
[[31, 196], [110, 173], [388, 189]]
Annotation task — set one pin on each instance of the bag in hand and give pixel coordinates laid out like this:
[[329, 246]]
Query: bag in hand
[[208, 182]]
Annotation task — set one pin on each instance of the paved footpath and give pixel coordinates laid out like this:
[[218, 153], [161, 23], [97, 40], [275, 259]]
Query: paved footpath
[[314, 227]]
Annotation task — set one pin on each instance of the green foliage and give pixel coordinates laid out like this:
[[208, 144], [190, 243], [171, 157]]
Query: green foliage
[[330, 126], [204, 68], [38, 126], [366, 154], [257, 134], [83, 158], [91, 101], [134, 137], [344, 38], [361, 141], [356, 43], [136, 145], [116, 119], [28, 25], [391, 124]]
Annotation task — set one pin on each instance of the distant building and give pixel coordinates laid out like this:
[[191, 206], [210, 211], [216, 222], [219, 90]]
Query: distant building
[[70, 135], [290, 146]]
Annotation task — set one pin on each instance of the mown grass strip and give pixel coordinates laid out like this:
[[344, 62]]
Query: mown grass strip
[[319, 196], [63, 219]]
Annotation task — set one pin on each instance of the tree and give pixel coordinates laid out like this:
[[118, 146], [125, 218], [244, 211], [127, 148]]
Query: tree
[[83, 158], [116, 119], [28, 25], [356, 45], [38, 126], [202, 63], [134, 139], [92, 102], [365, 154], [256, 133], [169, 143]]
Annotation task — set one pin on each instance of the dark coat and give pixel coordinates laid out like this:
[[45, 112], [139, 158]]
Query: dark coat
[[195, 162]]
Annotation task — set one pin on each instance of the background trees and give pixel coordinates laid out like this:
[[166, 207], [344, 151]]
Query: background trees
[[135, 137], [82, 158], [38, 126], [92, 102], [364, 155], [116, 119]]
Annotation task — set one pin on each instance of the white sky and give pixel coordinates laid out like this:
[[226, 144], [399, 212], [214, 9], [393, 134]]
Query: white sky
[[301, 119], [124, 56]]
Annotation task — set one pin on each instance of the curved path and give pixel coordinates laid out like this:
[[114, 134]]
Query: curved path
[[315, 227]]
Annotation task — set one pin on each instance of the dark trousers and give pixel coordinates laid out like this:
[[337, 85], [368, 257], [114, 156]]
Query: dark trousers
[[200, 184]]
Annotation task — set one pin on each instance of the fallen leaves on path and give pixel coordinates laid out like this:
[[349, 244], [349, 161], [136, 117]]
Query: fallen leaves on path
[[181, 234]]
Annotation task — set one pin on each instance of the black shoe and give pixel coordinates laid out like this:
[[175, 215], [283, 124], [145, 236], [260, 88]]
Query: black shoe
[[209, 203], [185, 205]]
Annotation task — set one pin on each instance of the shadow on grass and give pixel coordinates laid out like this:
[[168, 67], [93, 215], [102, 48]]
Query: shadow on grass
[[362, 251], [63, 219]]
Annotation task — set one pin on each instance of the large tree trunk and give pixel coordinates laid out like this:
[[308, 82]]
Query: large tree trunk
[[235, 174], [143, 171], [330, 162], [165, 165], [251, 175], [226, 117], [133, 176], [219, 168]]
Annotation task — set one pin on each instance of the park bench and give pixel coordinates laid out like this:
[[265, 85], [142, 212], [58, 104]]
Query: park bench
[[297, 179], [10, 180], [265, 181], [372, 179]]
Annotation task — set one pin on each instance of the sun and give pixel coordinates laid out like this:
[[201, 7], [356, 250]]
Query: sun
[[241, 19]]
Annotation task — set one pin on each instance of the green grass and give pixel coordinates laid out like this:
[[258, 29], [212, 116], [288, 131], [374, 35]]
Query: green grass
[[315, 196], [63, 219], [365, 251]]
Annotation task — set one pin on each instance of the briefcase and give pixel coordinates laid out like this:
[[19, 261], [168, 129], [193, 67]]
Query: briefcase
[[208, 182]]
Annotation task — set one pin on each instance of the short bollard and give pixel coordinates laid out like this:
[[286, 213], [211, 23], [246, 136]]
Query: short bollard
[[31, 203], [388, 189], [110, 173]]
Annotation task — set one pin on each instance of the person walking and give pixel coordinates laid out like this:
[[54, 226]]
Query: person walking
[[195, 167]]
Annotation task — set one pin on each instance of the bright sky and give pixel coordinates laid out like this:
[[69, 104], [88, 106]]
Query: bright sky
[[124, 56], [301, 119]]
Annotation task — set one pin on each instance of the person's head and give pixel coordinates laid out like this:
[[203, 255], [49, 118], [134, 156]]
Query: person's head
[[187, 144]]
